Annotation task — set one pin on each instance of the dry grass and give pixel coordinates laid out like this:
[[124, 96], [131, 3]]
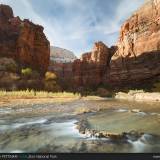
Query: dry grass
[[36, 94]]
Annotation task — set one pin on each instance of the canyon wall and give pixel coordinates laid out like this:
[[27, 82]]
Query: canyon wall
[[134, 60], [138, 56], [91, 69], [23, 41], [22, 45]]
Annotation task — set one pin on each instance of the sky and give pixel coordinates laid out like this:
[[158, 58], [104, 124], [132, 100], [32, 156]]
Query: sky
[[76, 24]]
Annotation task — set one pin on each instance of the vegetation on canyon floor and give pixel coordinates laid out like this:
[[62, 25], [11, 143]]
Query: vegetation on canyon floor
[[37, 94], [138, 95]]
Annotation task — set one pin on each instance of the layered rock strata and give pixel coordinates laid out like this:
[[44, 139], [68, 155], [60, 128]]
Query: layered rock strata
[[91, 69], [23, 41], [138, 56]]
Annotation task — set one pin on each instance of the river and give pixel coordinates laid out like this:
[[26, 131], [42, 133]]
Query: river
[[51, 127]]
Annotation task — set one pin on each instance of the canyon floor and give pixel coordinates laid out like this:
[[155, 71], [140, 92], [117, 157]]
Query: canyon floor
[[55, 124]]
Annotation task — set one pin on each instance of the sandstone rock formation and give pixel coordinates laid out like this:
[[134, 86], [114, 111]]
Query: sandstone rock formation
[[138, 56], [23, 41], [91, 69], [135, 60]]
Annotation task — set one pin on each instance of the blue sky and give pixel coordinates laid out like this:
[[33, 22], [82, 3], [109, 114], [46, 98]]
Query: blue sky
[[77, 24]]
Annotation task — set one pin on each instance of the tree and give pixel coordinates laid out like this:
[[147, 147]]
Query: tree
[[26, 72], [50, 76]]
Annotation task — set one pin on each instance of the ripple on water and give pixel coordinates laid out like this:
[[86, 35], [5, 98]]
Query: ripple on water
[[30, 136], [5, 110], [21, 123], [141, 114], [122, 110], [17, 151], [138, 146]]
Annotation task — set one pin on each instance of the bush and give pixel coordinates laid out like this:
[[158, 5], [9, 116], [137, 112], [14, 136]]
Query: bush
[[26, 72], [50, 76], [35, 74], [8, 64], [12, 67], [30, 84], [52, 86]]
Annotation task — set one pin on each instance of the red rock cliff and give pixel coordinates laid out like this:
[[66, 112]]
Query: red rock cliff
[[138, 55], [91, 69], [23, 41]]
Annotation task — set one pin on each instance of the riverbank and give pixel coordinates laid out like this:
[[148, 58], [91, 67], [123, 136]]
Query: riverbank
[[28, 103], [37, 94], [139, 95]]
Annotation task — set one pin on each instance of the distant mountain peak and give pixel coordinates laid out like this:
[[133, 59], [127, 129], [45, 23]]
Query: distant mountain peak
[[61, 55]]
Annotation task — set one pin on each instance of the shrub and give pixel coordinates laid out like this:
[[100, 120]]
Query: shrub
[[12, 67], [35, 74], [30, 84], [26, 72], [8, 64], [50, 76], [52, 86]]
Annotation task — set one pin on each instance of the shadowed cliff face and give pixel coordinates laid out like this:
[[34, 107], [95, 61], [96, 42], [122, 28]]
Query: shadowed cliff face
[[135, 71], [23, 41]]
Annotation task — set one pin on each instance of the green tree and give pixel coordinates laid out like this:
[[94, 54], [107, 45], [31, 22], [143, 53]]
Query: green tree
[[27, 72]]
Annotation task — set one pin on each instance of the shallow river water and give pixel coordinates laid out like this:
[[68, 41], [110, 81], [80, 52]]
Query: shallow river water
[[56, 132]]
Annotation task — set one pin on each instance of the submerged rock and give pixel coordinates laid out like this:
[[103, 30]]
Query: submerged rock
[[83, 128]]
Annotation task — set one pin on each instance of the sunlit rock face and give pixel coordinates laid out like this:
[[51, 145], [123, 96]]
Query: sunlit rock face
[[23, 41], [91, 69], [138, 55]]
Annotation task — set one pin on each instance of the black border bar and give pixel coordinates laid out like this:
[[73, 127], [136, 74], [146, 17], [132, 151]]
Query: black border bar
[[80, 156]]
